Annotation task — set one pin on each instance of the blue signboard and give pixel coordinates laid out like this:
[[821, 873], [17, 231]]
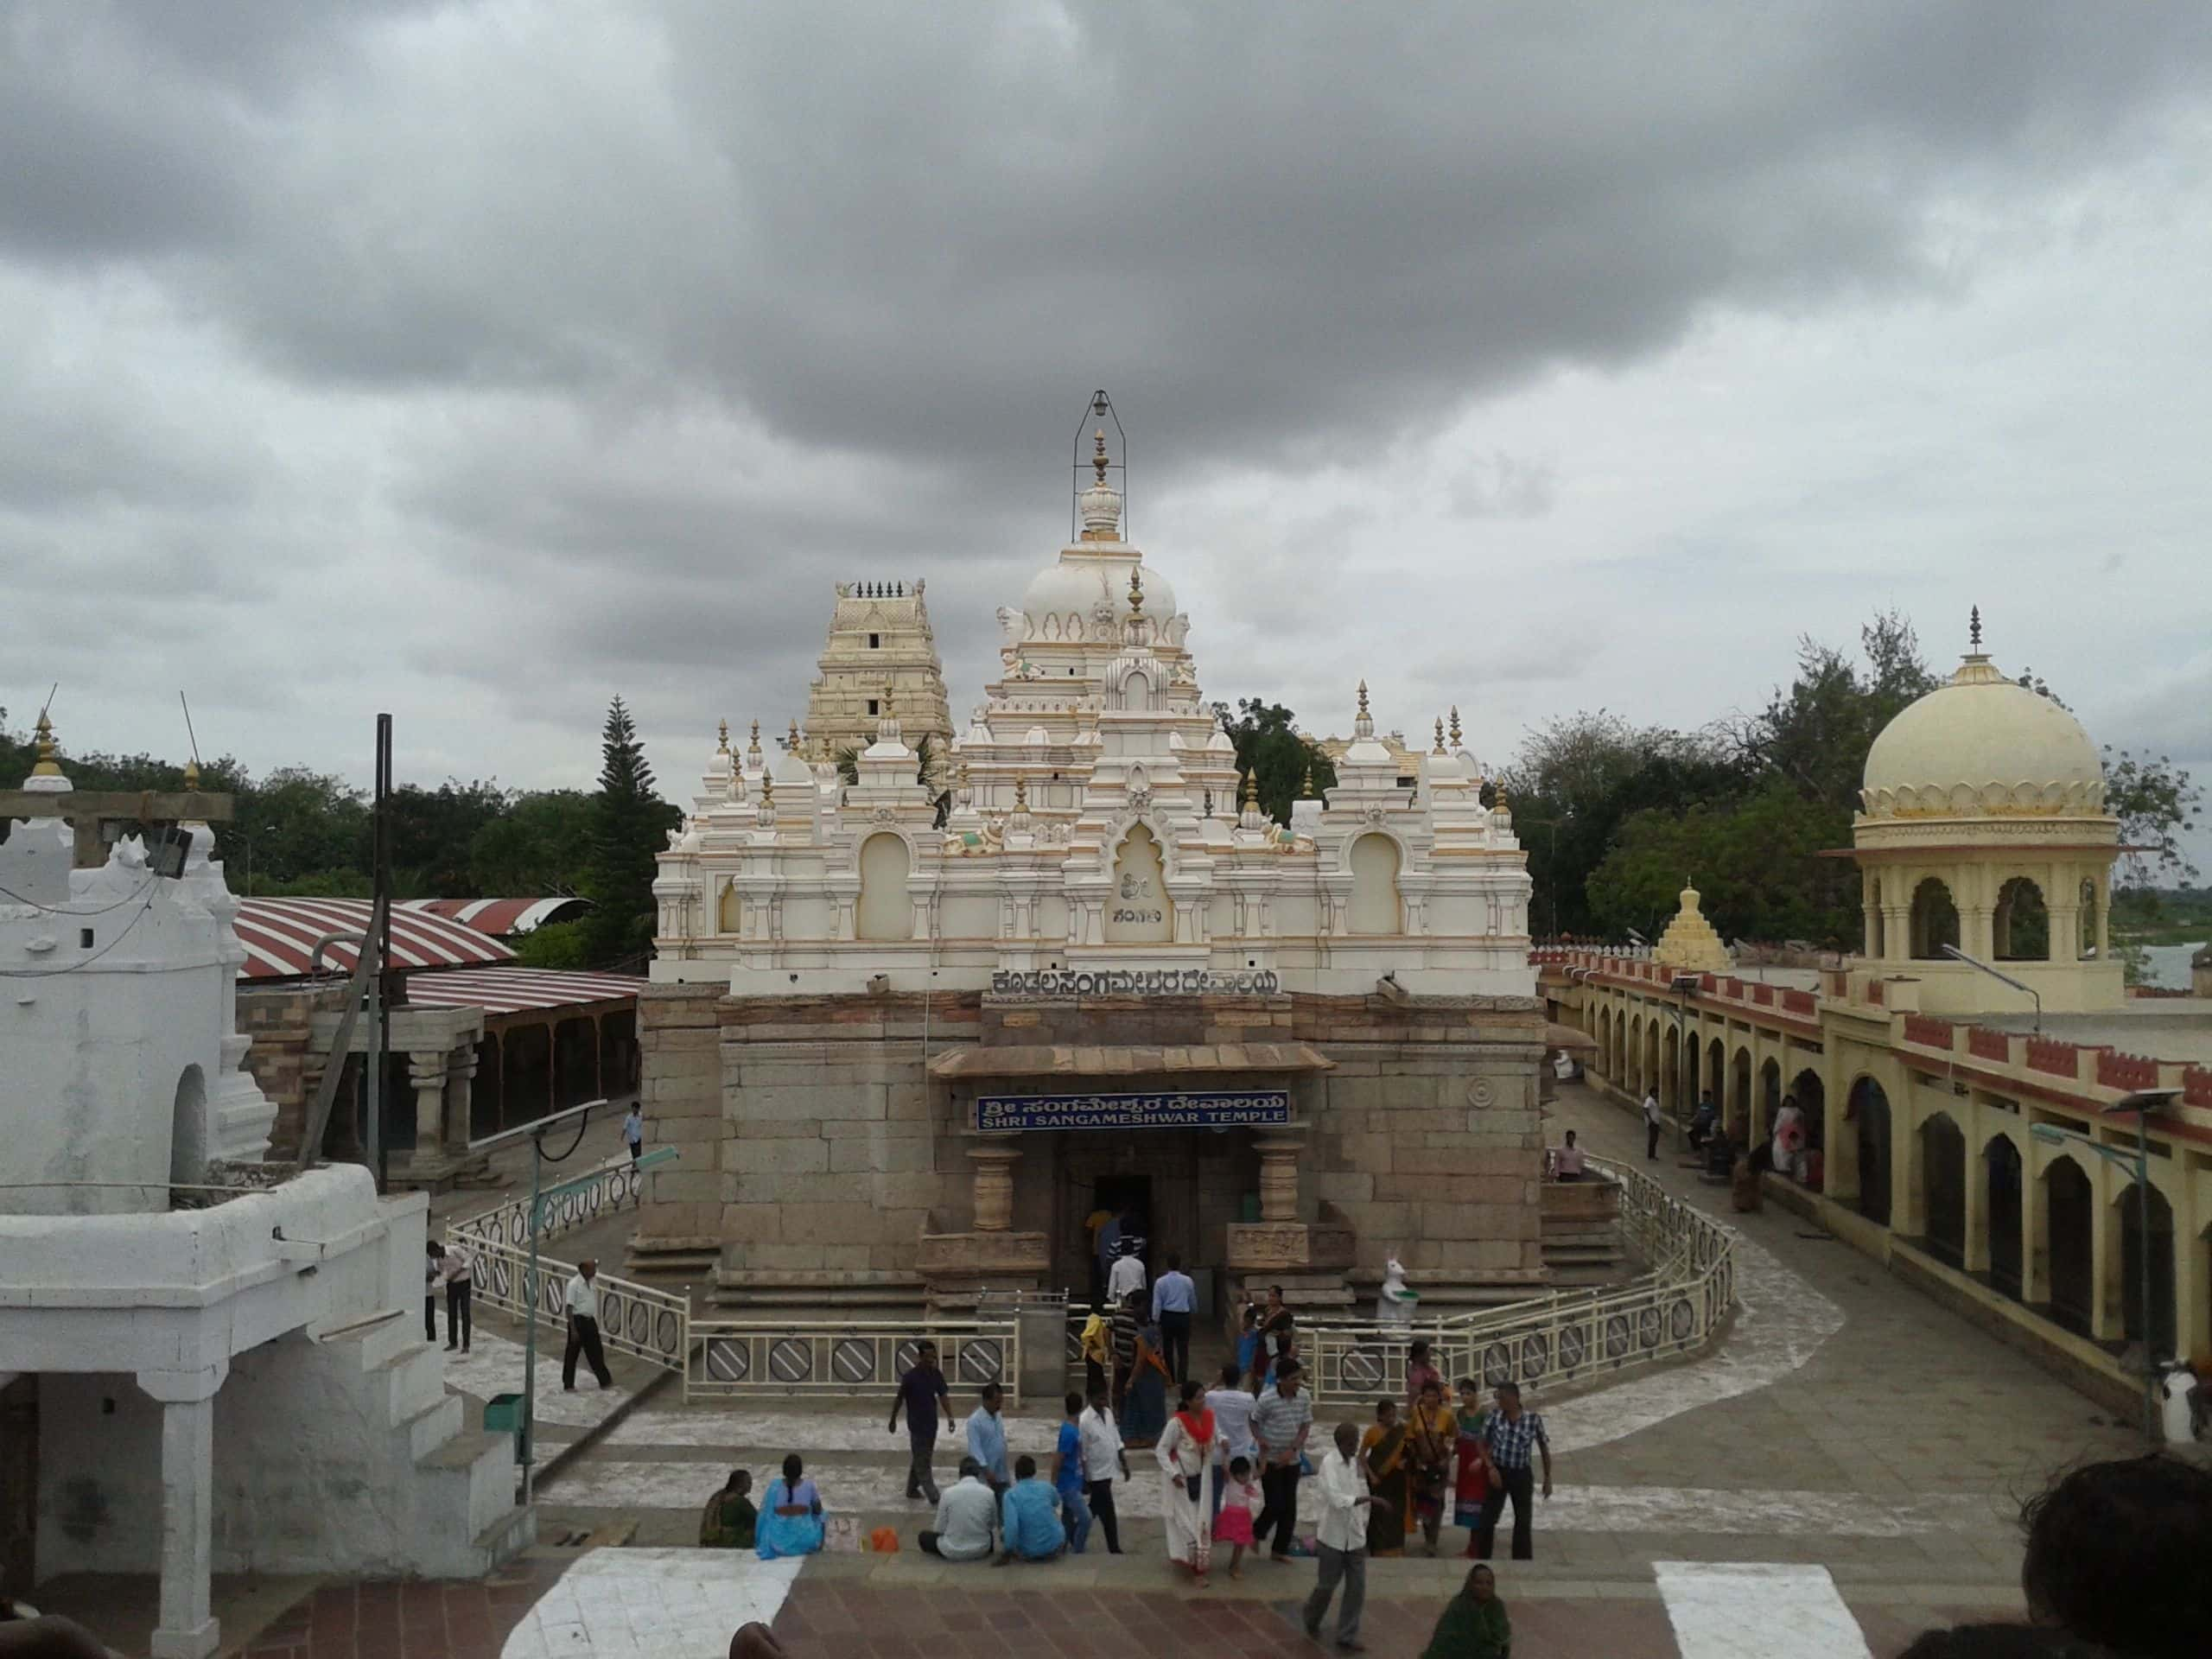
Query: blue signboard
[[998, 1114]]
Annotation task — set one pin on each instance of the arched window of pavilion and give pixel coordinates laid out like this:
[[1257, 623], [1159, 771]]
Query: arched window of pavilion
[[2021, 925], [1935, 920]]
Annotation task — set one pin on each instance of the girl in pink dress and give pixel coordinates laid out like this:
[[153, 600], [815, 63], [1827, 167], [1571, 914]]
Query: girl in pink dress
[[1233, 1526]]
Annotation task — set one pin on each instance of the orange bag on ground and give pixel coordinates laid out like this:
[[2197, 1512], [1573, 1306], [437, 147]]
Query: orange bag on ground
[[884, 1541]]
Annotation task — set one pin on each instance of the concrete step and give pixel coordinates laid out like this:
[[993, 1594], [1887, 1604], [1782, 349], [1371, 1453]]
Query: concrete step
[[435, 1425], [414, 1379]]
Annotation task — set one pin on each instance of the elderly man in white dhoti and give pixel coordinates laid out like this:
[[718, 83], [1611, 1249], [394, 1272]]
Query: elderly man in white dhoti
[[1186, 1451]]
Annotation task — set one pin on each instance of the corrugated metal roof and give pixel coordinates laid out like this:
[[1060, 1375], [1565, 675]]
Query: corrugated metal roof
[[279, 936], [514, 991], [501, 917]]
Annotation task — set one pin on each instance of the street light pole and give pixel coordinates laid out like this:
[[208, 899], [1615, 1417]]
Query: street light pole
[[1957, 954], [2142, 1103]]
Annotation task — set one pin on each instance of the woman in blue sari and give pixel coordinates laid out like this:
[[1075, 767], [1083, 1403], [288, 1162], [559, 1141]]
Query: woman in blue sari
[[790, 1515], [1144, 1407]]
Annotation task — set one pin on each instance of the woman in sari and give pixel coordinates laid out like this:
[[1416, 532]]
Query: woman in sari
[[1144, 1402], [1471, 1484], [790, 1515], [1121, 1330], [1432, 1435], [1186, 1454], [1421, 1371], [1383, 1448], [1473, 1624], [729, 1520]]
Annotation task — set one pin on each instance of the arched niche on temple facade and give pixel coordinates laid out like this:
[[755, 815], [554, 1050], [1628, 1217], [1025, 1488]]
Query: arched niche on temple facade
[[1375, 907], [1139, 912], [885, 911]]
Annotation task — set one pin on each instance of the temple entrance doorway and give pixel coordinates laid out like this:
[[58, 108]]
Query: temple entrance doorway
[[1108, 1195], [1184, 1185]]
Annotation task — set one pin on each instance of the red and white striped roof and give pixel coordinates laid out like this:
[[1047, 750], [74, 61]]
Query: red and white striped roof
[[512, 990], [501, 917], [279, 936]]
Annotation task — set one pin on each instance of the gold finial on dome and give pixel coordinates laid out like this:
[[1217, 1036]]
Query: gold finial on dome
[[1305, 791], [1362, 700], [192, 777], [1137, 590], [1020, 793], [1098, 455], [756, 731], [47, 766], [1455, 728], [1973, 628], [1440, 734], [722, 748], [1252, 787]]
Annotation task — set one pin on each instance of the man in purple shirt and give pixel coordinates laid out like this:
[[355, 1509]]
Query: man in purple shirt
[[919, 1391]]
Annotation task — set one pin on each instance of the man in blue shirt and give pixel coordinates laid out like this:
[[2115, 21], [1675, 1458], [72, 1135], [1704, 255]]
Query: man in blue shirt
[[987, 1438], [634, 1133], [919, 1392], [1029, 1518], [1174, 1299], [1067, 1476]]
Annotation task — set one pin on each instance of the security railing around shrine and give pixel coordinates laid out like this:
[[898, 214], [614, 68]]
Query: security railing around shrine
[[738, 1357], [615, 1184], [1570, 1337], [633, 1319]]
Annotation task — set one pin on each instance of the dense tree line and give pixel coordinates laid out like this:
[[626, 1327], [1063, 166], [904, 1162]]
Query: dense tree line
[[300, 833]]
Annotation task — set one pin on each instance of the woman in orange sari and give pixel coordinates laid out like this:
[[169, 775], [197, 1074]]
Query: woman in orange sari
[[1384, 1450], [1431, 1440]]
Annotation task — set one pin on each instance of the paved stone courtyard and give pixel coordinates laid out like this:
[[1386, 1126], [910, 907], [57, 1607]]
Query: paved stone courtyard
[[1842, 1472]]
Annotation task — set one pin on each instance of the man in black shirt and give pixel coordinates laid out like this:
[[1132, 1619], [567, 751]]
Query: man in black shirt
[[919, 1392]]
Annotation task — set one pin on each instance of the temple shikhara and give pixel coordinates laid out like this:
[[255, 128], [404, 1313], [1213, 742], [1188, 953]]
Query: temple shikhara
[[917, 1018]]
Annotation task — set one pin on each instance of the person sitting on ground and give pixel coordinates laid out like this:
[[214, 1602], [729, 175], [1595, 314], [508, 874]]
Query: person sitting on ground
[[1570, 1159], [1701, 1122], [1029, 1518], [791, 1517], [2117, 1555], [1473, 1624], [729, 1521], [966, 1518]]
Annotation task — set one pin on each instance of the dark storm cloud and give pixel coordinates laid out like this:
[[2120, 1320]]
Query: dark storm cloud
[[591, 342]]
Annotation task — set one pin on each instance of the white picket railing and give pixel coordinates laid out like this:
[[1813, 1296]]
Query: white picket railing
[[804, 1357], [1564, 1336], [633, 1319], [615, 1184]]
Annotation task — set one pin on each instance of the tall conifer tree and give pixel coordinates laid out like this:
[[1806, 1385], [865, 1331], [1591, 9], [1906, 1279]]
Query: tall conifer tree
[[630, 825]]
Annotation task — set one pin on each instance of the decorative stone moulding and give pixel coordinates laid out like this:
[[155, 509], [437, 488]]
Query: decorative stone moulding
[[1984, 800]]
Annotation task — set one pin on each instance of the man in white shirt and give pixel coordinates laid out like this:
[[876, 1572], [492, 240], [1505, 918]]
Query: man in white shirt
[[583, 1329], [1341, 1540], [1652, 1123], [1127, 1276], [1232, 1420], [634, 1133], [1102, 1457], [965, 1515], [459, 1272]]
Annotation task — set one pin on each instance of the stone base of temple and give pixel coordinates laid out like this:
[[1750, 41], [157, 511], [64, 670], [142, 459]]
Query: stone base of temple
[[828, 1294], [672, 1256], [957, 1266], [437, 1170]]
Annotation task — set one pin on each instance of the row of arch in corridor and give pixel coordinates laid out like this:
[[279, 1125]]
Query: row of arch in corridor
[[1956, 1175]]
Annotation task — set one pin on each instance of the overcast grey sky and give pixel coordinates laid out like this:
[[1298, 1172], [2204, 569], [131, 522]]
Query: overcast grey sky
[[478, 361]]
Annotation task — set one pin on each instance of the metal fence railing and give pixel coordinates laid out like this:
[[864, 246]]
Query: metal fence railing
[[615, 1184], [736, 1358], [1673, 1310], [633, 1319]]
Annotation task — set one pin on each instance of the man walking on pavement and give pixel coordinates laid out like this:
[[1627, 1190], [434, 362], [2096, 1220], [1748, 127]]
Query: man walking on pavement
[[633, 1133], [1342, 1537], [1652, 1123], [459, 1275], [1174, 1299], [919, 1393], [1513, 1435], [1102, 1457], [583, 1329], [1281, 1418]]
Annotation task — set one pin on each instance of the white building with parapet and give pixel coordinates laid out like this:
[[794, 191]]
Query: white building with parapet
[[217, 1357]]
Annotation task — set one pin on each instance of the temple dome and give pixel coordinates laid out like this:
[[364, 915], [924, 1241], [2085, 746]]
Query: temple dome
[[1076, 587], [1980, 744]]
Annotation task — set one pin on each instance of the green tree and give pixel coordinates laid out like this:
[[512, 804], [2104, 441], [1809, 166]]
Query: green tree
[[630, 826], [1267, 743], [433, 831], [1577, 780], [1755, 861], [1816, 733], [2157, 803], [555, 944], [539, 848]]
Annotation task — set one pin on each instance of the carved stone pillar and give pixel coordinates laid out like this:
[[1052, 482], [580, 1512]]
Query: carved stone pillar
[[426, 1070], [1279, 1156], [461, 1072], [187, 1627], [995, 1161]]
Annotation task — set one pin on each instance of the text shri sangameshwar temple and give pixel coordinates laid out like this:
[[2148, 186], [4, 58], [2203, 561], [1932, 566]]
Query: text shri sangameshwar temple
[[908, 1036]]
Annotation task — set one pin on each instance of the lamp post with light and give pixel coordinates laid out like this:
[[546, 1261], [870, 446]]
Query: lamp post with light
[[2142, 1103]]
